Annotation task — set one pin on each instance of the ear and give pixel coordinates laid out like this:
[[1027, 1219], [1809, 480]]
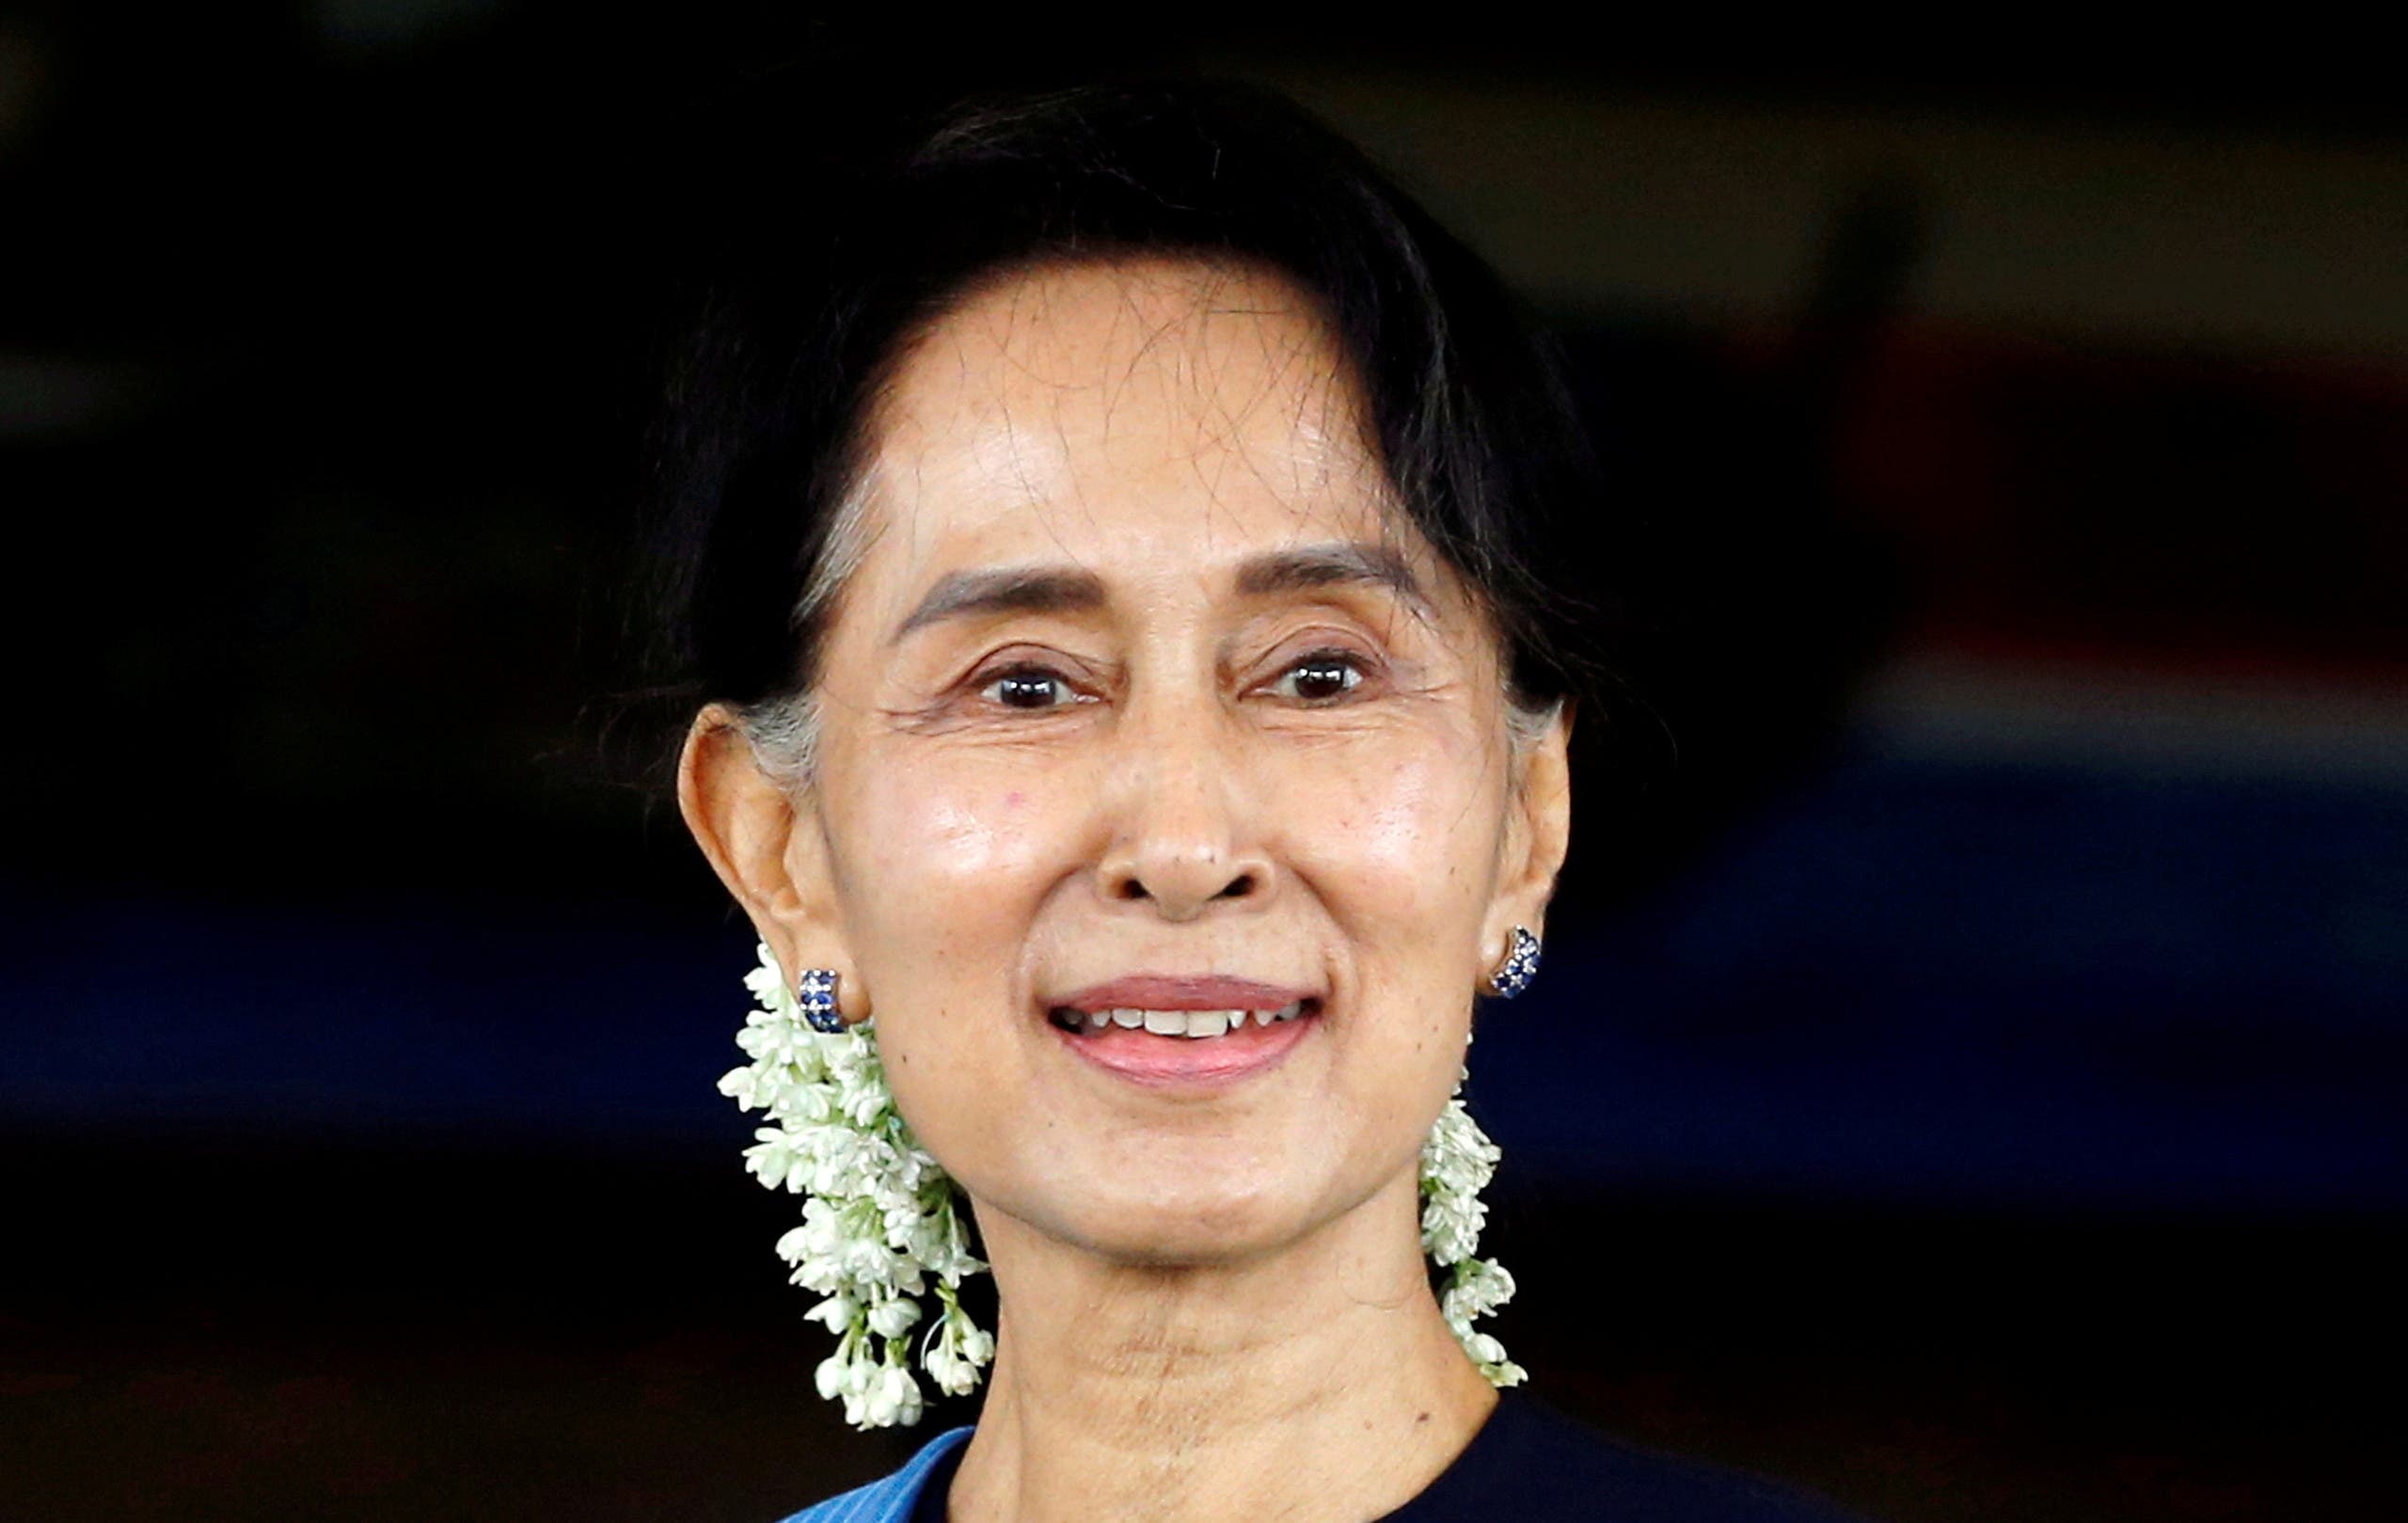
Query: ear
[[769, 848], [1538, 831]]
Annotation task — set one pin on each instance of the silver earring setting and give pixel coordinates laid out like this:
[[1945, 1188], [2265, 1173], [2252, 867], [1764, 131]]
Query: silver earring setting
[[1521, 965], [814, 995]]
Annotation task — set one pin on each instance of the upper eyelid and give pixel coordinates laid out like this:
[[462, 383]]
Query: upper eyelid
[[1037, 666], [1322, 645], [985, 673], [1367, 665], [987, 676]]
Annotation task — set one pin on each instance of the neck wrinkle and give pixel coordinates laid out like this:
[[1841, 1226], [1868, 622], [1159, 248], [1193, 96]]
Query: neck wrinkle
[[1322, 1386]]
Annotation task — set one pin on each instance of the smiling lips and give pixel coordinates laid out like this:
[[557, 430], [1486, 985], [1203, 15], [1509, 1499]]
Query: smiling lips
[[1161, 1030]]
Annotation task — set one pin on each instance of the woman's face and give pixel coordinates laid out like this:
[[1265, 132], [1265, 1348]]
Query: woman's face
[[1141, 699]]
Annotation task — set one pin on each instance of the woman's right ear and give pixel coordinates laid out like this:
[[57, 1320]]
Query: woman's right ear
[[746, 825]]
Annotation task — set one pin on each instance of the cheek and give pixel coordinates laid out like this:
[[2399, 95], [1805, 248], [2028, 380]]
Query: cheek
[[925, 836], [1412, 836], [1422, 855], [946, 873]]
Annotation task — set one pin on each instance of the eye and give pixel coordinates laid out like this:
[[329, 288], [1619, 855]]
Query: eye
[[1323, 676], [1028, 687]]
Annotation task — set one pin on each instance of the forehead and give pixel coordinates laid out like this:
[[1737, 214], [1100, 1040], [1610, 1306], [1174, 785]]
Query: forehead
[[1134, 415]]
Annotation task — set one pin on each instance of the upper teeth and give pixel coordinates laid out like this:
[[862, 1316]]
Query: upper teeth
[[1179, 1022]]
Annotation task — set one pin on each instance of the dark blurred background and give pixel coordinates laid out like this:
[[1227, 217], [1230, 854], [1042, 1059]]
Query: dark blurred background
[[1968, 1074]]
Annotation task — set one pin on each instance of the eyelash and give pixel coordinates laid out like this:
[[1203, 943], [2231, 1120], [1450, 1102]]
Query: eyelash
[[1331, 655]]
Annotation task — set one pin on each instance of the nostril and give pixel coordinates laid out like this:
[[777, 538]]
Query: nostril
[[1177, 892]]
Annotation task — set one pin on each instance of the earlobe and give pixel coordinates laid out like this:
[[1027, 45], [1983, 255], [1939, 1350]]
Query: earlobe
[[760, 842]]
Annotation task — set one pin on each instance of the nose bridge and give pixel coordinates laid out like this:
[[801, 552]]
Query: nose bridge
[[1183, 835]]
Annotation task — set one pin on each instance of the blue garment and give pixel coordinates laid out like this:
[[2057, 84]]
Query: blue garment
[[1527, 1464], [889, 1499]]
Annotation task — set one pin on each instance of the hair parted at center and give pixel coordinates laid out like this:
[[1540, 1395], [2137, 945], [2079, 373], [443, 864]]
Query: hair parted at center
[[815, 282]]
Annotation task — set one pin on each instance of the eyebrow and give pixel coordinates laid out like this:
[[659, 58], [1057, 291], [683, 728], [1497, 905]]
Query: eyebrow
[[966, 594], [1335, 565]]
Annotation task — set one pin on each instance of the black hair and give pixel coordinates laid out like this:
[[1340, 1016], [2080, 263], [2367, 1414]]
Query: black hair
[[818, 276]]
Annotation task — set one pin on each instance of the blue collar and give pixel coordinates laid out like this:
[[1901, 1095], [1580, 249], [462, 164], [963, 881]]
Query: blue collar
[[889, 1498]]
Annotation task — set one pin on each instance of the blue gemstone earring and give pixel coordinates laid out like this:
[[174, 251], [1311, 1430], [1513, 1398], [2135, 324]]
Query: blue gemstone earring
[[1521, 965], [815, 994]]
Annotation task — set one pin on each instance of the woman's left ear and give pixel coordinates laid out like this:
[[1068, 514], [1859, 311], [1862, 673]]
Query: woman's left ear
[[1538, 832]]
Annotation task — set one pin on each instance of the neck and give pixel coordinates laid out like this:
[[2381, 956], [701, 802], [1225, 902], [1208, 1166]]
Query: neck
[[1316, 1383]]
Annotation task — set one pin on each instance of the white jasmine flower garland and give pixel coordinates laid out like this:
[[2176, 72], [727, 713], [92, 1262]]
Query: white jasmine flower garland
[[1457, 1163], [882, 1222]]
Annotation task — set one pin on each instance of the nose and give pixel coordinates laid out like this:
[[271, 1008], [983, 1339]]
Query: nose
[[1185, 837]]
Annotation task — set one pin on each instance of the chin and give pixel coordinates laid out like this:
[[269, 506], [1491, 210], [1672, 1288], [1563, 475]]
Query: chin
[[1185, 1224], [1159, 1202]]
